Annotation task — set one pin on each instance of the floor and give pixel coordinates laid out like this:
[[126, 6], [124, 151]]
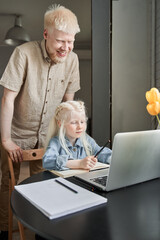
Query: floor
[[28, 234]]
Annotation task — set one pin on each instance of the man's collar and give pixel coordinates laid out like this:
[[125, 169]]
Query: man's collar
[[45, 54]]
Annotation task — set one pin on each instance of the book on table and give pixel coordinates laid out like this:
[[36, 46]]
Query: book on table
[[58, 197], [73, 172]]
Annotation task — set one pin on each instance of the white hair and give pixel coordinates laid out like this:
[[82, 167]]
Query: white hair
[[63, 113], [62, 19]]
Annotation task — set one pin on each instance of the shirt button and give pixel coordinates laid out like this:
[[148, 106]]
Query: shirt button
[[49, 78]]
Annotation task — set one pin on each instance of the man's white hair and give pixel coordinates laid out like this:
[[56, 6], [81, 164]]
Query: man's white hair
[[62, 19]]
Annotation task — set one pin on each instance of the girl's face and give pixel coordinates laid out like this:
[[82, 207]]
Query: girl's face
[[75, 126]]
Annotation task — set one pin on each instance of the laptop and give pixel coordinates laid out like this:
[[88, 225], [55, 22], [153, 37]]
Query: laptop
[[135, 159]]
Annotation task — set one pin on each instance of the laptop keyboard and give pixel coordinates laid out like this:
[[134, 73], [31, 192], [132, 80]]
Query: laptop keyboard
[[100, 180]]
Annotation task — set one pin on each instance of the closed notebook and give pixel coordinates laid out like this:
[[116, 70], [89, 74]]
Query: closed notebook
[[56, 200]]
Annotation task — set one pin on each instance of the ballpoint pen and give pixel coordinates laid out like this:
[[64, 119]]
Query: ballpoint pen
[[102, 148]]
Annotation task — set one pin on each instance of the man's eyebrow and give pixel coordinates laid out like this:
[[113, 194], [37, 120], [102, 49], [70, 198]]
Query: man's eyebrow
[[59, 39]]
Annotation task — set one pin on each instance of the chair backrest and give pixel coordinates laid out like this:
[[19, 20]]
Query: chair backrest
[[28, 155]]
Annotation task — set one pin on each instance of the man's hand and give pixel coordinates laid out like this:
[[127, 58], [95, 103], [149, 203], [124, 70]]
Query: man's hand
[[14, 151], [88, 162], [7, 109]]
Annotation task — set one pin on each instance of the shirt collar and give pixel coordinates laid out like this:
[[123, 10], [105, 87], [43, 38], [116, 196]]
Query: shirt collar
[[45, 54], [78, 143]]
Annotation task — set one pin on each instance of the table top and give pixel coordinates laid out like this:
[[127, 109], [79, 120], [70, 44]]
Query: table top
[[131, 213]]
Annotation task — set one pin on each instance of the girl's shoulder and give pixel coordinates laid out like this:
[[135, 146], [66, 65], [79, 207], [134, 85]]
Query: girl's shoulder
[[54, 143], [90, 139], [54, 140]]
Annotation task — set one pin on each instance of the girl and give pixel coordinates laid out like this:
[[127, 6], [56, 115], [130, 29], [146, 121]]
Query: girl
[[68, 144]]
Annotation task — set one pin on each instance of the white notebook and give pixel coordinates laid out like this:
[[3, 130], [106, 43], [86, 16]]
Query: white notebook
[[56, 200]]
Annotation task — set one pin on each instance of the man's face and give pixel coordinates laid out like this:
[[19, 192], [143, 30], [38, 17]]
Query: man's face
[[58, 44]]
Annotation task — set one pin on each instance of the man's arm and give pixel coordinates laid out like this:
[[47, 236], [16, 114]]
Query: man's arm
[[7, 109], [68, 97]]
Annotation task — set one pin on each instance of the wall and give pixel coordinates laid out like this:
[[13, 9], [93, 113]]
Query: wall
[[131, 64], [5, 52]]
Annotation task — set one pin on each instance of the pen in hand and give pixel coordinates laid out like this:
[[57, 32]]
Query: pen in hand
[[102, 148]]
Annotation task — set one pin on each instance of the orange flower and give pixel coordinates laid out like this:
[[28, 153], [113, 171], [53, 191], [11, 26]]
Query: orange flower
[[153, 108], [153, 95]]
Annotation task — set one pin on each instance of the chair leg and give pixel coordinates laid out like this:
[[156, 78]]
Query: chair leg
[[21, 231], [10, 219], [10, 226], [10, 214]]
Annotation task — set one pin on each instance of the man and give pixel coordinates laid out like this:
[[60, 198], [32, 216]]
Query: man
[[37, 78]]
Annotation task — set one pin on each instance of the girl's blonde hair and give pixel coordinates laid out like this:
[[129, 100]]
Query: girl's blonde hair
[[61, 19], [63, 114]]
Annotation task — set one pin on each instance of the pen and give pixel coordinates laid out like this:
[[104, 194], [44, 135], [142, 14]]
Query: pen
[[102, 148], [64, 185]]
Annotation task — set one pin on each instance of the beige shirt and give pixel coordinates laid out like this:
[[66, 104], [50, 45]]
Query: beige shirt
[[41, 86]]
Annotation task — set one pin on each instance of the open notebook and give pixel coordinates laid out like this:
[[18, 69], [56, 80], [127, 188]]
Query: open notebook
[[73, 172], [135, 159]]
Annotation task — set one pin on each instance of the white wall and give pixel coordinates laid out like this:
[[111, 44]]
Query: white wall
[[131, 64]]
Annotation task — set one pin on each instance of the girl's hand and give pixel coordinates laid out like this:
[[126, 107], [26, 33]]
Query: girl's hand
[[88, 162]]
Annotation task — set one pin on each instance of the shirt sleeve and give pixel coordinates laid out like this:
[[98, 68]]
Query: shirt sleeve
[[14, 73], [74, 82], [52, 160]]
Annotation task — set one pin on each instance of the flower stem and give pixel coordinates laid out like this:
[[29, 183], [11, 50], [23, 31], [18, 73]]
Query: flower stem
[[158, 120]]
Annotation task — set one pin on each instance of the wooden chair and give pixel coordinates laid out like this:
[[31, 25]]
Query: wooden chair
[[28, 155]]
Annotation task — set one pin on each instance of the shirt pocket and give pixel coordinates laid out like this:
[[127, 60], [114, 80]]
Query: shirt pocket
[[60, 87]]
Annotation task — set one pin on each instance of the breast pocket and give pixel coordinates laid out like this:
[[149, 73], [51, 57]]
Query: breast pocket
[[60, 87]]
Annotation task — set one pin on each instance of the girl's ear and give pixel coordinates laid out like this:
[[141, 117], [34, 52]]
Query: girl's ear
[[59, 123]]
